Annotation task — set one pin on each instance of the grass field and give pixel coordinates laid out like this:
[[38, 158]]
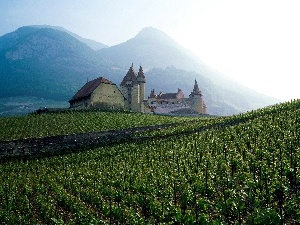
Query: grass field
[[242, 170]]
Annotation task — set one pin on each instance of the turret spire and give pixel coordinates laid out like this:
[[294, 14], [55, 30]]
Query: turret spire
[[141, 76], [130, 78], [196, 89]]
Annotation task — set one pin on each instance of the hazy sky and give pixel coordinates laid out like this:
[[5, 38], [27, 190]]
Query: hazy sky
[[256, 42]]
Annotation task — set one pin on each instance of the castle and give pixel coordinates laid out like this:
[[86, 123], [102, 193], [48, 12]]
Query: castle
[[102, 93], [133, 88]]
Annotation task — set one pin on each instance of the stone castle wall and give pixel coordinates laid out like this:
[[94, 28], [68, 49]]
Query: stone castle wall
[[135, 102], [84, 103], [133, 98], [107, 96], [197, 103], [142, 91]]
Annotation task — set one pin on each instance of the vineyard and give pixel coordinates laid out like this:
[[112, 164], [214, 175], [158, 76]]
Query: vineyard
[[236, 170], [72, 122]]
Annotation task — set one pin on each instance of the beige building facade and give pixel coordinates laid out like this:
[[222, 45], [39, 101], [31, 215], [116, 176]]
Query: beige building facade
[[98, 93]]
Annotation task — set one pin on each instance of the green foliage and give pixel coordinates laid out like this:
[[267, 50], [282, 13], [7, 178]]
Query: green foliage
[[245, 171]]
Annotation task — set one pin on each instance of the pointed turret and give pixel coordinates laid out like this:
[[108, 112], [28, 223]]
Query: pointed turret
[[133, 88], [141, 76], [130, 78], [196, 99], [141, 79], [196, 90]]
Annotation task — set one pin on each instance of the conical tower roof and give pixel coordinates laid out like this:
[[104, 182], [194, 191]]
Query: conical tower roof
[[130, 77], [141, 76], [196, 90]]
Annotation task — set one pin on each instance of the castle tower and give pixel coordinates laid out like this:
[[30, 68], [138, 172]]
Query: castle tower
[[141, 79], [196, 100], [132, 86]]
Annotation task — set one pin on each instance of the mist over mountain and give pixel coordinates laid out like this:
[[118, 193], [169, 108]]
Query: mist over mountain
[[154, 49], [47, 63]]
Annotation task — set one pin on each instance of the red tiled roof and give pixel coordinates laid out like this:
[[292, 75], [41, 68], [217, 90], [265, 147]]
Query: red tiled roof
[[89, 88]]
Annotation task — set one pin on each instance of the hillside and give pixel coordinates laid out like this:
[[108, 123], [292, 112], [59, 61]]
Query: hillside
[[50, 64], [244, 169]]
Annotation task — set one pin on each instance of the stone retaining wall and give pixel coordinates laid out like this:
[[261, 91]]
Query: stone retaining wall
[[56, 144], [69, 143]]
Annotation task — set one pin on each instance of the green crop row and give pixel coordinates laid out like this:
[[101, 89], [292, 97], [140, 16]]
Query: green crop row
[[245, 171], [35, 126]]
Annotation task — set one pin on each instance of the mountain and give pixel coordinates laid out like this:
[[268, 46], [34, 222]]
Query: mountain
[[152, 48], [43, 64], [95, 45]]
